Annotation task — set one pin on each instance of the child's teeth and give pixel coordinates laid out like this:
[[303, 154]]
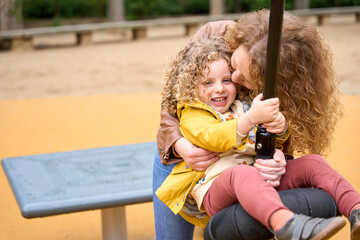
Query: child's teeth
[[219, 99]]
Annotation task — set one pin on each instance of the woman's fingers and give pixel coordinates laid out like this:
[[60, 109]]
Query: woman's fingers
[[196, 158], [202, 160], [272, 169]]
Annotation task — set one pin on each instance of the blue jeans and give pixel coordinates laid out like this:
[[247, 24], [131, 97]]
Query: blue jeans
[[168, 226]]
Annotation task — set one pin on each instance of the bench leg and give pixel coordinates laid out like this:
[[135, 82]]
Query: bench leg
[[191, 28], [5, 44], [139, 33], [83, 38], [114, 223], [323, 19], [22, 44]]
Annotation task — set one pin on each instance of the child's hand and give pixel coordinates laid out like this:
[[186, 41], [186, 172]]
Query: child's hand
[[263, 111], [277, 126]]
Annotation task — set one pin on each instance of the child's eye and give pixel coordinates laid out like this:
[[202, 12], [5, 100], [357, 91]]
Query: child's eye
[[208, 83], [227, 80]]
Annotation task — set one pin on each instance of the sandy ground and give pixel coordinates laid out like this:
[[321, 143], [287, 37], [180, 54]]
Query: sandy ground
[[134, 66], [65, 98]]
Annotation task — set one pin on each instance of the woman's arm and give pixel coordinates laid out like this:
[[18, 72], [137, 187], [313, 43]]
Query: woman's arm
[[167, 135], [196, 158]]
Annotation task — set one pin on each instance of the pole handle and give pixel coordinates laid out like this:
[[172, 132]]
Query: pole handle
[[265, 141]]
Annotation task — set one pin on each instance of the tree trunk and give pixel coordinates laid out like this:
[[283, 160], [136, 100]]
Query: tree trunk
[[116, 10], [10, 15], [217, 7], [238, 6], [100, 9], [57, 9], [302, 4], [181, 2]]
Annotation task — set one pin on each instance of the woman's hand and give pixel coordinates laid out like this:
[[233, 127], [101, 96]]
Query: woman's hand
[[272, 169], [196, 158]]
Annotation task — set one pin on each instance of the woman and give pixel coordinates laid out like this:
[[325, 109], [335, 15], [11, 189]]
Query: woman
[[311, 124]]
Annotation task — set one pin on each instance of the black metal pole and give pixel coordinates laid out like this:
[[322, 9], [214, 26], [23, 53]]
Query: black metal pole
[[265, 141]]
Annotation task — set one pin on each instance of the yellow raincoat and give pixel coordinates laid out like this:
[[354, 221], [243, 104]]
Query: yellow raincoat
[[199, 123]]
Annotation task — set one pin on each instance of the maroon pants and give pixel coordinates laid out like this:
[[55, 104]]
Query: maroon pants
[[245, 185]]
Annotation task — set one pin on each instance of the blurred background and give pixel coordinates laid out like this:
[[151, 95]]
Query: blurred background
[[30, 13], [59, 92]]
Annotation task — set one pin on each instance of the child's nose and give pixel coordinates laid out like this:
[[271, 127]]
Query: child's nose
[[219, 87]]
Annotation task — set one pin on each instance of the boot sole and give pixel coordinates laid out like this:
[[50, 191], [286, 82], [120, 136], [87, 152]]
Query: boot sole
[[331, 229], [355, 232]]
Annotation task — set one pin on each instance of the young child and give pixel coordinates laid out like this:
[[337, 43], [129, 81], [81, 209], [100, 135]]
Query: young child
[[199, 90]]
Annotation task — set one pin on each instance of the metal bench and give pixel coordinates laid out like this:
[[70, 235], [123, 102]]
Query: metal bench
[[22, 38], [106, 178]]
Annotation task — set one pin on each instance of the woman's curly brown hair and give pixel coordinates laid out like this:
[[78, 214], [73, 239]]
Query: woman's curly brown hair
[[185, 71], [306, 84]]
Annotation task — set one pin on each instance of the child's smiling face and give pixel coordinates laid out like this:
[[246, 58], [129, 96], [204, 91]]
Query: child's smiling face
[[216, 89]]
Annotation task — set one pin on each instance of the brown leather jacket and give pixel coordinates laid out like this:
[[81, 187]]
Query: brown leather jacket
[[169, 132]]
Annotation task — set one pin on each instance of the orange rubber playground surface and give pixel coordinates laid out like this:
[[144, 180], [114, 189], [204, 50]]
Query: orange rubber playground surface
[[46, 125]]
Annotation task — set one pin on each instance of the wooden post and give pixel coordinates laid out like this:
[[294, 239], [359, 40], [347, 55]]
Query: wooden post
[[302, 4], [10, 15], [116, 10], [217, 7]]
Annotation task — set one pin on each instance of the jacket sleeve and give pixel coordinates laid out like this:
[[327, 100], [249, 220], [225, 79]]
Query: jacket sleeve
[[202, 129], [167, 135], [169, 132], [281, 139]]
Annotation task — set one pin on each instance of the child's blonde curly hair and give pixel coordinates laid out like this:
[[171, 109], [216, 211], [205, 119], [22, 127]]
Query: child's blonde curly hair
[[306, 85], [185, 71]]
